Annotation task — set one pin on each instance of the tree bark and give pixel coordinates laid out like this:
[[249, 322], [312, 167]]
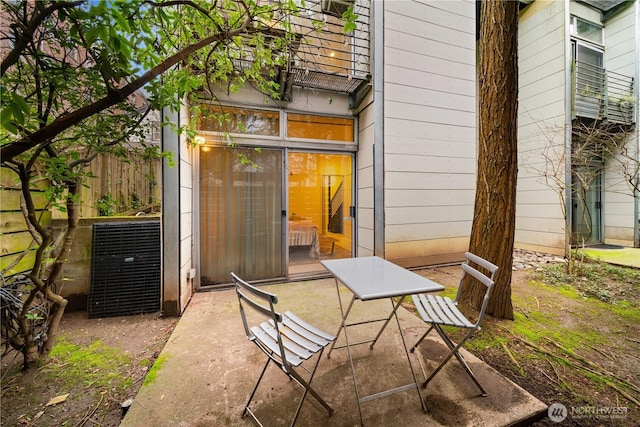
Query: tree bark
[[493, 228]]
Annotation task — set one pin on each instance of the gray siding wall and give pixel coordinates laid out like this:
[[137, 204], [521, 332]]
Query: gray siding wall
[[540, 221], [621, 56], [429, 129]]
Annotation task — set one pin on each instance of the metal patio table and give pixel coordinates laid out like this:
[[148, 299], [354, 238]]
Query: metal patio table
[[373, 278]]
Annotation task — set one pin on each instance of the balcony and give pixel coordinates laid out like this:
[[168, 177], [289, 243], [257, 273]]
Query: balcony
[[322, 56], [603, 95], [329, 59]]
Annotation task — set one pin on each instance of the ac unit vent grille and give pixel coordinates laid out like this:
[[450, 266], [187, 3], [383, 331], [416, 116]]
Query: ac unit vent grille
[[125, 269]]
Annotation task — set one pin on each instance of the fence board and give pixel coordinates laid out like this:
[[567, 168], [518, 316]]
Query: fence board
[[14, 221], [15, 242], [10, 200], [132, 185], [9, 179], [25, 264]]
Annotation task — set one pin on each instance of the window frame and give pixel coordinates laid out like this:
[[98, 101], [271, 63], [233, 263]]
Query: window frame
[[573, 26]]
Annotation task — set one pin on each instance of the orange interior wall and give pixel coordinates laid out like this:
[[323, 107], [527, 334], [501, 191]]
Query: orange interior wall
[[305, 186]]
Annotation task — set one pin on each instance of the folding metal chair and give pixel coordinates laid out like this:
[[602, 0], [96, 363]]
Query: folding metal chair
[[439, 311], [286, 339]]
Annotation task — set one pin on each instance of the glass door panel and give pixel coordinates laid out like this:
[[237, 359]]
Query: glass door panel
[[320, 199], [240, 214], [586, 213]]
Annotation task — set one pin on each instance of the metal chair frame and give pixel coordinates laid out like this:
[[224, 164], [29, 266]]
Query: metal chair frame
[[286, 339], [438, 311]]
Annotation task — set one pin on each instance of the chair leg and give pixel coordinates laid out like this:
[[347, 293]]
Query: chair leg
[[246, 407], [308, 389], [454, 351], [420, 340]]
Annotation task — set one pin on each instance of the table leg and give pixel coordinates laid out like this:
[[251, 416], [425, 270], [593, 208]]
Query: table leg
[[404, 346], [342, 328], [393, 313], [344, 320]]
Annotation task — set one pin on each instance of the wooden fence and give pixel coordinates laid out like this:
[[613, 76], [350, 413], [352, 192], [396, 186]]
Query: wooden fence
[[118, 188], [121, 188], [17, 247]]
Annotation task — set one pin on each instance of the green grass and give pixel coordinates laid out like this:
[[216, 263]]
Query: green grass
[[626, 256]]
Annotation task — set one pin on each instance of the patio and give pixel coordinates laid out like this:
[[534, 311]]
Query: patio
[[208, 368]]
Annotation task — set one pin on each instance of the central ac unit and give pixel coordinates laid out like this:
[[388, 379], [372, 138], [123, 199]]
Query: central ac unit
[[336, 7]]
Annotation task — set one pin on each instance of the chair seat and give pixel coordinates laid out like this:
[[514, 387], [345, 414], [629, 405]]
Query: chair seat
[[300, 339], [440, 310]]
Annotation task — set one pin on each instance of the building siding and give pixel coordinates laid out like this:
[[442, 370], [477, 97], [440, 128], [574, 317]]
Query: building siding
[[540, 221], [365, 180], [618, 201], [430, 129]]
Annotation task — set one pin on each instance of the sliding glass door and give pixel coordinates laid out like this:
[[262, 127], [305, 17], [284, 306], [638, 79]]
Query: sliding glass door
[[240, 214], [320, 203]]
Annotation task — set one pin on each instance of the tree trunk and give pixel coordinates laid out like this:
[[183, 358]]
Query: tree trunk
[[493, 228], [58, 302]]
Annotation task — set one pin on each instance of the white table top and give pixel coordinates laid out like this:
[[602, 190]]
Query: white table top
[[373, 277]]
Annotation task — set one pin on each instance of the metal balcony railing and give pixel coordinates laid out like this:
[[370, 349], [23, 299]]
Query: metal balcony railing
[[322, 56], [603, 95]]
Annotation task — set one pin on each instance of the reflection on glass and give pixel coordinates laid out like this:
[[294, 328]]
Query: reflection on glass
[[589, 31], [239, 120]]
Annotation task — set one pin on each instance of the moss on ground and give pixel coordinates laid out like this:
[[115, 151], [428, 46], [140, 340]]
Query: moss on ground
[[95, 365], [153, 372]]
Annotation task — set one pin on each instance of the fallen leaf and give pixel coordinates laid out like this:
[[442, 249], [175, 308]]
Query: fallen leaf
[[38, 415], [57, 399]]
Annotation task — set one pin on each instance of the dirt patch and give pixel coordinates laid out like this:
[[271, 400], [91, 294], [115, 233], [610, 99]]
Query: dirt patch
[[121, 351]]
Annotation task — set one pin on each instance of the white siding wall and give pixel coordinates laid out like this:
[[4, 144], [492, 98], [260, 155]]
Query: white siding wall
[[621, 57], [364, 171], [540, 222], [429, 129]]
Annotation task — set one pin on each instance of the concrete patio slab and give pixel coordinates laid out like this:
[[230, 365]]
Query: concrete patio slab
[[207, 370]]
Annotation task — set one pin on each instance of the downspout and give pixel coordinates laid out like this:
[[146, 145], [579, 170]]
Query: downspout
[[636, 198], [378, 132], [567, 130]]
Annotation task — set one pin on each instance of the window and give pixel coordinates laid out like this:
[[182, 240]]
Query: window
[[239, 120], [587, 30], [319, 127], [336, 7]]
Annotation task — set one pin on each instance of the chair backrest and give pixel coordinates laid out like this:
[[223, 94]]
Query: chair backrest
[[263, 303], [484, 278]]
